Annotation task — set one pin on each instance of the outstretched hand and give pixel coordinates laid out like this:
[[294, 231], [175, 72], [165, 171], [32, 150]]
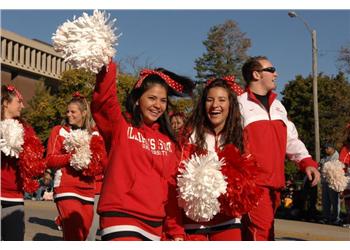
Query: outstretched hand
[[313, 175]]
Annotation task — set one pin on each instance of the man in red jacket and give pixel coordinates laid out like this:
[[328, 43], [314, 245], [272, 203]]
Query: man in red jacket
[[270, 137]]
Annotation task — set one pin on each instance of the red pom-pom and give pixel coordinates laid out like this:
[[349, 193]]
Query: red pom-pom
[[31, 161], [242, 194], [99, 153]]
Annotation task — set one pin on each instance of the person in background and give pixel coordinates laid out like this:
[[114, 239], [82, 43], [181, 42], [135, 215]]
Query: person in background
[[142, 153], [77, 152], [177, 121], [344, 157], [330, 197], [46, 185], [22, 161], [270, 138]]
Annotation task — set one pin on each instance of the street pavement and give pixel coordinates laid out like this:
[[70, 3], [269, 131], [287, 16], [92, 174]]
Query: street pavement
[[40, 226]]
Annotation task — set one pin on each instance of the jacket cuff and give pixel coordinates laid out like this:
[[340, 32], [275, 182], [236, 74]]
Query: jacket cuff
[[307, 162]]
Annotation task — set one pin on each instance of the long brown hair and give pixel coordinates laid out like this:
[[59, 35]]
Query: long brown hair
[[7, 94], [199, 121]]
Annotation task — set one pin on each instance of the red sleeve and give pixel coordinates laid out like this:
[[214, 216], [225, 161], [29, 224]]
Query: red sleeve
[[105, 108], [55, 158], [307, 162], [344, 155], [173, 226]]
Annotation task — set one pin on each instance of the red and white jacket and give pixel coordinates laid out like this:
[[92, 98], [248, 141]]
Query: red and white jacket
[[142, 161], [69, 183], [270, 137], [177, 221]]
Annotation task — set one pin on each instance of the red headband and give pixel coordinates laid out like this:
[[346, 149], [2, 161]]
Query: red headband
[[12, 88], [78, 95], [230, 80], [348, 125], [146, 72]]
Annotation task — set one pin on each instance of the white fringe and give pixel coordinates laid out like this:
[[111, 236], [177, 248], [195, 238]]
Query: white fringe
[[199, 185], [11, 133], [334, 174], [78, 142], [87, 42]]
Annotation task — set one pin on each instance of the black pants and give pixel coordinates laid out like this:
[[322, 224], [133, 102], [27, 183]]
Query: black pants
[[12, 223]]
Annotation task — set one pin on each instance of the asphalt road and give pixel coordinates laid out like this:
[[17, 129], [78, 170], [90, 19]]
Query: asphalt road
[[40, 226]]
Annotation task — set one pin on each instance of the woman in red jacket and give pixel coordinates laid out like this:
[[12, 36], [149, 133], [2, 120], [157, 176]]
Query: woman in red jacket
[[142, 153], [21, 162], [76, 151], [214, 128]]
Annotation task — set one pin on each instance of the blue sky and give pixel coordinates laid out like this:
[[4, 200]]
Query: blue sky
[[173, 38]]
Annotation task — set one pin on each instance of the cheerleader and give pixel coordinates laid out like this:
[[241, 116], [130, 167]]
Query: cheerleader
[[76, 151], [142, 153], [21, 162], [213, 136]]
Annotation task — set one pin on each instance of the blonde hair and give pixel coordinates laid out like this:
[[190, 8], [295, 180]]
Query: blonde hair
[[83, 105]]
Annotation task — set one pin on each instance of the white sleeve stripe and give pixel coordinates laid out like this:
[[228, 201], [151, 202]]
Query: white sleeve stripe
[[56, 196]]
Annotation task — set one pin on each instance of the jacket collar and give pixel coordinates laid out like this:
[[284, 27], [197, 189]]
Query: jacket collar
[[271, 95]]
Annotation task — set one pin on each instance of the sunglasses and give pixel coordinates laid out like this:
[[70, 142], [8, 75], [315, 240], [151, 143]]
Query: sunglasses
[[269, 69]]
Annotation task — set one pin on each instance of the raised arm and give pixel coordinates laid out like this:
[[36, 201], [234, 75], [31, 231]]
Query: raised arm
[[105, 108]]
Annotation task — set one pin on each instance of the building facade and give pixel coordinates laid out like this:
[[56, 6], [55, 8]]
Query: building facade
[[25, 62]]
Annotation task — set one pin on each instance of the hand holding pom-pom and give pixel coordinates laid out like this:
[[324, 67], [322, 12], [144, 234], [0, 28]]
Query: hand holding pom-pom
[[200, 184], [87, 42]]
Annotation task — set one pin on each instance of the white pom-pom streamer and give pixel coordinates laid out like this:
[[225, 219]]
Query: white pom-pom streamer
[[78, 141], [200, 184], [334, 174], [87, 42], [12, 133]]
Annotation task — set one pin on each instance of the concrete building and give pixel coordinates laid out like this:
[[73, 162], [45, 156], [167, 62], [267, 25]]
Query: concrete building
[[24, 62]]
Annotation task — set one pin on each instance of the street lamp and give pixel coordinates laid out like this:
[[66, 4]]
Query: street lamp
[[314, 82]]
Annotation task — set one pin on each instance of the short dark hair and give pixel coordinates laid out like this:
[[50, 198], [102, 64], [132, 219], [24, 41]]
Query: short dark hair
[[252, 64]]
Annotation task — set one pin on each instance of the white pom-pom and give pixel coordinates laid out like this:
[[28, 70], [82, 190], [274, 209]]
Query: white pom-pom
[[78, 141], [200, 184], [334, 174], [87, 42], [12, 133]]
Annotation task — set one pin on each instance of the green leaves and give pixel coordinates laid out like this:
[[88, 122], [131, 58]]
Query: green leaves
[[334, 107], [226, 50]]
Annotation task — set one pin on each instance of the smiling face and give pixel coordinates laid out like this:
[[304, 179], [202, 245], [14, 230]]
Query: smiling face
[[217, 107], [13, 108], [75, 116], [153, 103]]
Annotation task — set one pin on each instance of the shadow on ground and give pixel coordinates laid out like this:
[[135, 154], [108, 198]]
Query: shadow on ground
[[46, 237], [289, 239], [44, 222]]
